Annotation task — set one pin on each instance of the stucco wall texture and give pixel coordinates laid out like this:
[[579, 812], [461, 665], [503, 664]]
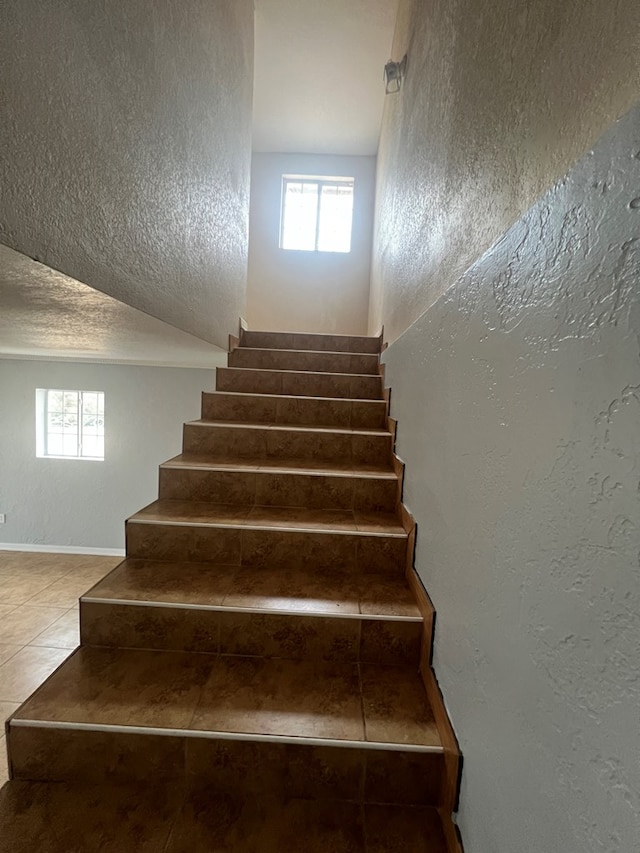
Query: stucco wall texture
[[518, 401], [499, 100], [125, 140]]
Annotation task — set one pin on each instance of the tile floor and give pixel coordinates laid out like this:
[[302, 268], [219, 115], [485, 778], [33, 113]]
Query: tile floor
[[39, 623]]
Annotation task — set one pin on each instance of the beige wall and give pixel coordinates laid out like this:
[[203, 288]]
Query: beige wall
[[308, 291], [499, 100], [125, 134]]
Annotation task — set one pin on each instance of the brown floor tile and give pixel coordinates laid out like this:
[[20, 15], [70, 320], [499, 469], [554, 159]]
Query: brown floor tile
[[403, 829], [298, 517], [125, 687], [396, 708], [386, 596], [250, 408], [248, 381], [294, 589], [300, 490], [378, 522], [387, 641], [196, 512], [289, 636], [6, 710], [171, 542], [25, 623], [252, 768], [18, 588], [26, 670], [62, 593], [134, 627], [320, 551], [171, 582], [81, 819], [222, 487], [384, 555], [64, 633], [4, 767], [411, 778], [277, 697], [95, 757], [8, 650], [254, 825]]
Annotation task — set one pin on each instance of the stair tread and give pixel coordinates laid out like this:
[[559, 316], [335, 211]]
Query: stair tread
[[280, 518], [303, 397], [327, 373], [246, 697], [331, 469], [371, 355], [130, 819], [276, 589], [299, 428]]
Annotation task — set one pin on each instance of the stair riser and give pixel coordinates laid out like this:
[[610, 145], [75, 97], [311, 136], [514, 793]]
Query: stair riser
[[261, 444], [318, 362], [221, 766], [262, 488], [298, 384], [317, 343], [360, 553], [364, 414], [294, 636]]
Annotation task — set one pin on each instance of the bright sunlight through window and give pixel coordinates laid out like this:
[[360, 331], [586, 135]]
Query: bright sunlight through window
[[70, 424], [317, 214]]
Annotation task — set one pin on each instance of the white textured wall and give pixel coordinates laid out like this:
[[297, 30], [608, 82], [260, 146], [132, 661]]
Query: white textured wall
[[518, 401], [125, 131], [308, 291], [500, 99], [85, 503]]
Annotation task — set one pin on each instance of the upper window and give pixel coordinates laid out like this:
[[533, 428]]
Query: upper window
[[70, 424], [316, 213]]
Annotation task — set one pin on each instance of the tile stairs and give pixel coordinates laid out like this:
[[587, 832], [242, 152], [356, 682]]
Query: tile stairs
[[262, 655]]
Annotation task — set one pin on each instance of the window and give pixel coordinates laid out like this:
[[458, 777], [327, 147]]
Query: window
[[70, 424], [316, 213]]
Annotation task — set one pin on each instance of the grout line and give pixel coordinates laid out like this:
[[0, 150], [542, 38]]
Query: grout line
[[221, 608], [222, 735]]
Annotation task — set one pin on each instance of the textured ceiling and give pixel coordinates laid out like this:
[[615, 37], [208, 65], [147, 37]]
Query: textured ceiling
[[45, 314], [318, 74]]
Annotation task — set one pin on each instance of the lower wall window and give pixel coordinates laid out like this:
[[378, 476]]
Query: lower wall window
[[70, 424]]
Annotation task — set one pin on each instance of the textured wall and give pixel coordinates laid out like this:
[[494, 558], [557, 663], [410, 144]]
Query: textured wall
[[308, 291], [500, 99], [81, 502], [518, 400], [125, 137]]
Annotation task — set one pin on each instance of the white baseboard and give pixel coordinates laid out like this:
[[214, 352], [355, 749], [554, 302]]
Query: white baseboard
[[63, 549]]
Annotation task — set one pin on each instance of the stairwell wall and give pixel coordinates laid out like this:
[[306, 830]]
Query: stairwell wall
[[499, 100], [518, 404], [325, 292], [83, 503], [125, 134]]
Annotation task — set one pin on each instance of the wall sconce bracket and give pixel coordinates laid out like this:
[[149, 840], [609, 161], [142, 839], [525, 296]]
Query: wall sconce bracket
[[393, 75]]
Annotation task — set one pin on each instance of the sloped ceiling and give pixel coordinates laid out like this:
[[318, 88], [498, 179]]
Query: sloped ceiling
[[318, 74]]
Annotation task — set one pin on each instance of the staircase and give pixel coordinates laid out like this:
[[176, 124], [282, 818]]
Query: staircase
[[255, 675]]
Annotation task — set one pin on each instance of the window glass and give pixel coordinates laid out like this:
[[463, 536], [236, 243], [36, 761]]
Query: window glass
[[70, 423], [317, 214]]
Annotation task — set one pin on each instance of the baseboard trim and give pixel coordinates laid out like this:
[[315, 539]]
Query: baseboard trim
[[63, 549]]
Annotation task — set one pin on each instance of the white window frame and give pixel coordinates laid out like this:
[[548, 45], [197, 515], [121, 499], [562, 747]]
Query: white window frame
[[42, 425], [319, 181]]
